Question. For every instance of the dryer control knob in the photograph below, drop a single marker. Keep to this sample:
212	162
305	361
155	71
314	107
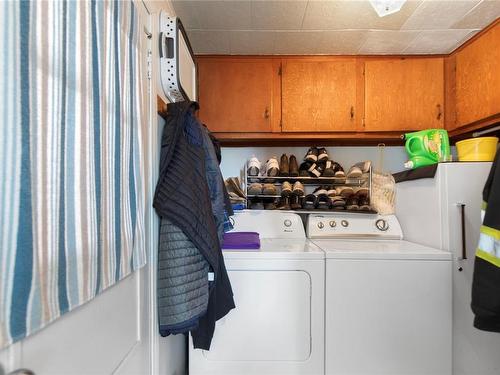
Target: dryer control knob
288	223
344	223
382	225
333	223
321	225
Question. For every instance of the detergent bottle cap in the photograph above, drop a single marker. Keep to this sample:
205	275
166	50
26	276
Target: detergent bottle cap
409	164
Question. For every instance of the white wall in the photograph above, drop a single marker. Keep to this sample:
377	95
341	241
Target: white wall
234	158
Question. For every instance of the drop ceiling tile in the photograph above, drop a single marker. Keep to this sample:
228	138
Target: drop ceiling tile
296	42
209	41
479	17
251	42
186	11
341	42
349	14
438	41
278	15
224	15
385	42
438	15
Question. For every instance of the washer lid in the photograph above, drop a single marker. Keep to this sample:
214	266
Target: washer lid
278	248
380	249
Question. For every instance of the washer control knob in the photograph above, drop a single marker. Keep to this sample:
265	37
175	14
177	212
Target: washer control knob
382	225
344	223
288	223
333	223
321	225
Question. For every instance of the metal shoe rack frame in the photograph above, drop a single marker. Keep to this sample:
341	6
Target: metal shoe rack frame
311	181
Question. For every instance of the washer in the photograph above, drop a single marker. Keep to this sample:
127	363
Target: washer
388	301
278	324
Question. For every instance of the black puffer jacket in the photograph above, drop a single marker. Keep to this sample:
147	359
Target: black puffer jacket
182	196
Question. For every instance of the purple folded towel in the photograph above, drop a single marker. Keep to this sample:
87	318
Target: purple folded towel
241	240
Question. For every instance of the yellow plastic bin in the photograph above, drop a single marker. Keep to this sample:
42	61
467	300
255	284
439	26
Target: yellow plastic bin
477	149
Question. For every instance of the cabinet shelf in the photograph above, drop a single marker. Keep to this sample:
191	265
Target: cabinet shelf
338	181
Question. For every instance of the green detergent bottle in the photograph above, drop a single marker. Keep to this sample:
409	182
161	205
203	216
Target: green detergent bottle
427	147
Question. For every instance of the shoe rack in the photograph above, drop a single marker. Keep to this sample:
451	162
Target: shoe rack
313	182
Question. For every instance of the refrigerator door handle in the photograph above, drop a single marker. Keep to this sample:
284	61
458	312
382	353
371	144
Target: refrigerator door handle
462	217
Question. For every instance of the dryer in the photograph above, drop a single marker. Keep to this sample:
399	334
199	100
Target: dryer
388	301
277	326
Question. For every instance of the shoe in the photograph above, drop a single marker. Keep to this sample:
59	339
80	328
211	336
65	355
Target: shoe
295	202
364	203
284	204
329	172
270	204
269	189
284	166
357	170
337	202
286	189
331	192
233	185
338	170
253	166
312	155
272	167
294	168
323	202
310	201
352	203
361	191
298	189
304	169
322	154
320	190
256	204
345	191
320	167
255	188
313	170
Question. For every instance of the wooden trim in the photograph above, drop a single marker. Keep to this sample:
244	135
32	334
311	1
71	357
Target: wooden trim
483	123
161	106
475	37
318	57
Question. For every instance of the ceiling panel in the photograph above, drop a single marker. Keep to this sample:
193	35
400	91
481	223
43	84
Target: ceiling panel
209	41
278	15
331	26
479	17
438	15
348	14
438	41
251	42
341	42
387	42
296	42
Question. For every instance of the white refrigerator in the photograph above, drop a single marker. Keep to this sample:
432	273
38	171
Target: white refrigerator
445	213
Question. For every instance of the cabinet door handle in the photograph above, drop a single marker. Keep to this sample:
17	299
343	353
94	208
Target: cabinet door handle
352	112
439	112
266	113
462	218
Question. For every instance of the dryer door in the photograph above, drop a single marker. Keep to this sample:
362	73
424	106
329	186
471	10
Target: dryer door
272	319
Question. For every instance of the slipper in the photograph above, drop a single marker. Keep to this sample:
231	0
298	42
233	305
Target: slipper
286	189
352	204
354	172
272	167
253	166
329	172
304	169
310	201
322	154
311	155
298	188
323	202
269	189
284	204
337	202
345	191
295	202
255	188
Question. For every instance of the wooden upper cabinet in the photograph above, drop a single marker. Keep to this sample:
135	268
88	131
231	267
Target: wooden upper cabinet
478	78
319	95
404	94
239	94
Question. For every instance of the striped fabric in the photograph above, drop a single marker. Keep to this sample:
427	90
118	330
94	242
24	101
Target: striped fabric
71	168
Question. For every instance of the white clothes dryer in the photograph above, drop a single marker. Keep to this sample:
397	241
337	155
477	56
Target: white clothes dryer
277	326
388	301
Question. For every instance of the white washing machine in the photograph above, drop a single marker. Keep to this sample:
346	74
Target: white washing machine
278	324
388	301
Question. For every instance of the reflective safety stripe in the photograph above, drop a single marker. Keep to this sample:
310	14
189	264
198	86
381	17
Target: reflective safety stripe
489	245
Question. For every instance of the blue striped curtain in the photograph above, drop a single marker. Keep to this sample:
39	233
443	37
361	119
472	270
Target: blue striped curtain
71	156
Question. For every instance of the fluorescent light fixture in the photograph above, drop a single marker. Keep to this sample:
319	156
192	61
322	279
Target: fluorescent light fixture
386	7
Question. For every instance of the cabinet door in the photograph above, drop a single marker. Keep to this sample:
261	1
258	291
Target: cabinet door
239	94
404	94
478	78
319	95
